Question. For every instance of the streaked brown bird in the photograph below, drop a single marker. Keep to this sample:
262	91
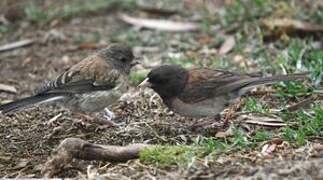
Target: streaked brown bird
204	92
89	86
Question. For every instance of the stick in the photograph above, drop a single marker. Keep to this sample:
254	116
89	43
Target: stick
71	148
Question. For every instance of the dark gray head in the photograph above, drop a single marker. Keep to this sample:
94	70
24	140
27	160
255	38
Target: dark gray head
167	80
119	55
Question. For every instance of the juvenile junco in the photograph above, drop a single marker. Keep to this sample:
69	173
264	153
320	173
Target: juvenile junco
89	86
203	92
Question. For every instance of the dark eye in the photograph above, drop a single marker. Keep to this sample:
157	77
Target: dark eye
123	59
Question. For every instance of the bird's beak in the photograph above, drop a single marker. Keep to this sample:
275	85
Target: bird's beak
135	61
145	83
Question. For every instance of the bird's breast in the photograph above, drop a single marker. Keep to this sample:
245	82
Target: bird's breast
205	108
97	100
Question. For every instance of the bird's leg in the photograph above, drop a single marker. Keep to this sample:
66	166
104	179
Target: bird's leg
109	115
84	119
108	119
232	109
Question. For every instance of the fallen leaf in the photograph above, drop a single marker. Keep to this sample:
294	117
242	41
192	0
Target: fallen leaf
21	164
291	24
265	123
222	134
262	120
268	149
15	45
162	25
318	147
204	39
8	88
227	46
277	141
88	45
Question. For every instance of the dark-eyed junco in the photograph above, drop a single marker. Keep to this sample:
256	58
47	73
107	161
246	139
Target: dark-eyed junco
203	92
89	86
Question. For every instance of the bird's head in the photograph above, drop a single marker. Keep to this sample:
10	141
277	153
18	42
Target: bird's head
167	80
120	56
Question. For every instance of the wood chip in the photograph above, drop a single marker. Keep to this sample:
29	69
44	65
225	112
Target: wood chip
15	45
161	25
8	88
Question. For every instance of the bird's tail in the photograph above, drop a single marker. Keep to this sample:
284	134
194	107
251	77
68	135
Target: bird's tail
272	79
28	101
252	82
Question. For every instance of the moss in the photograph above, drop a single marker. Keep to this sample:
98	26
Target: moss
171	155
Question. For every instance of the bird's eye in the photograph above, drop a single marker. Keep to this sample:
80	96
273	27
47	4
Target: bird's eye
123	59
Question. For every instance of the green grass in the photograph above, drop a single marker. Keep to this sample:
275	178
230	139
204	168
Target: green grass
262	135
138	76
292	89
304	127
307	125
255	105
288	55
36	14
4	29
93	37
171	155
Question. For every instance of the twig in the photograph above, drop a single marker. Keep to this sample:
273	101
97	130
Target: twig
15	45
75	148
303	104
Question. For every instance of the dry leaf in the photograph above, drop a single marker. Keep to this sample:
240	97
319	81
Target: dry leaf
88	45
265	123
227	46
262	120
277	141
15	45
162	25
8	88
21	164
291	24
222	134
204	39
318	147
268	149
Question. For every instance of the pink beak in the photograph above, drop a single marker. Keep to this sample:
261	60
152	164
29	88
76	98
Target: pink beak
145	83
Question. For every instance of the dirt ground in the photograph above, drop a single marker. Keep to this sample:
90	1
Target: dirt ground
28	137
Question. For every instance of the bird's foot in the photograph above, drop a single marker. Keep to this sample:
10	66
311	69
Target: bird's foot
109	115
107	120
83	120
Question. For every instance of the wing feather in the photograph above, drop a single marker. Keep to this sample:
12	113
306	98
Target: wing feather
207	83
91	74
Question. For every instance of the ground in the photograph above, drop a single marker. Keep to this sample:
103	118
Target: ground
227	36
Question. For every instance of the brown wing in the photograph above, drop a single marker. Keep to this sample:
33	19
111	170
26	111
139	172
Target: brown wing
207	83
92	73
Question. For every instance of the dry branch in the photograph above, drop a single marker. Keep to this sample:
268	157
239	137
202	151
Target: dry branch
75	148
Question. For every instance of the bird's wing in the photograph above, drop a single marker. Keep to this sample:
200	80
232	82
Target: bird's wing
208	83
91	74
